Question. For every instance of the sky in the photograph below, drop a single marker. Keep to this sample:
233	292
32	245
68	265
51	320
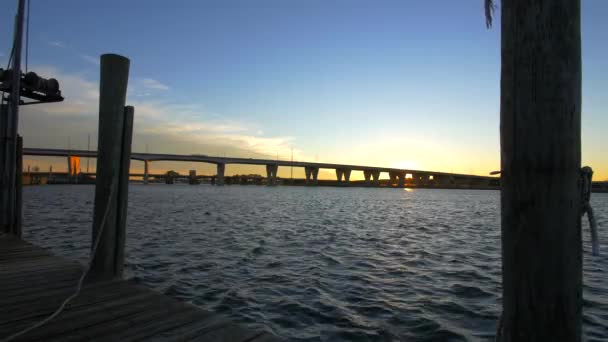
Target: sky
409	84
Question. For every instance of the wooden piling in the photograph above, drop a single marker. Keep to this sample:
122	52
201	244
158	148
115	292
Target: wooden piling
4	192
541	161
16	226
123	193
111	182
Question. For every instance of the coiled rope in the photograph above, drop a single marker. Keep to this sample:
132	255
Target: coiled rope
80	281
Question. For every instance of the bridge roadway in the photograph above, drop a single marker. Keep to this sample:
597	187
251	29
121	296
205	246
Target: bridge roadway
343	171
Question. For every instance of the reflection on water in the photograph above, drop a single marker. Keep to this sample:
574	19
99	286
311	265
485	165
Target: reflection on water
312	264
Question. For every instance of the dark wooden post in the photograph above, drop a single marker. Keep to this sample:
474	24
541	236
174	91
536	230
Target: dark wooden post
4	185
123	194
9	164
541	159
115	128
16	227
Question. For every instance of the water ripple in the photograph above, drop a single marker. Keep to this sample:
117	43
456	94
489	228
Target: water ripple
317	264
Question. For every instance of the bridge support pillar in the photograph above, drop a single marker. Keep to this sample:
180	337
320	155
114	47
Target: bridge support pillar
343	172
424	179
271	174
219	178
367	174
339	174
393	178
347	175
397	178
401	178
146	171
441	180
311	174
192	180
376	177
419	179
414	180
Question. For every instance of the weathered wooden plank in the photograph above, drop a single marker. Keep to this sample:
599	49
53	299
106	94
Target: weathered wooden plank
31	275
33	265
34	283
40	264
18	255
101	286
206	321
37	267
134	327
11	244
47	287
38	284
7	239
31	272
212	321
83	317
46	305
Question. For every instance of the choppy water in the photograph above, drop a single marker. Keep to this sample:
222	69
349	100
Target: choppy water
312	264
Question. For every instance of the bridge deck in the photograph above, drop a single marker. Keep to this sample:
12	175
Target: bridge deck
33	283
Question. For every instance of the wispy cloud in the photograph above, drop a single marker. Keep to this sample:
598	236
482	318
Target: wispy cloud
56	43
91	59
178	128
150	83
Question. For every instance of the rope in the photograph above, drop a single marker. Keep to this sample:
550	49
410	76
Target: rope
80	281
586	176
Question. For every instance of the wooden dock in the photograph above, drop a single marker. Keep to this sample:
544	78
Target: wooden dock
33	283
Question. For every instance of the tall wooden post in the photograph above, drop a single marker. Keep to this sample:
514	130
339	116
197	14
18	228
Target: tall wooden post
115	128
16	227
8	169
541	159
123	190
4	192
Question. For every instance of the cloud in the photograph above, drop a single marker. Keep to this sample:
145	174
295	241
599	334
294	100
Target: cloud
56	43
91	59
150	83
80	95
181	128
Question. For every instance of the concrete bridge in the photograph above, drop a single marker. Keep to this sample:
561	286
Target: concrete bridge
398	177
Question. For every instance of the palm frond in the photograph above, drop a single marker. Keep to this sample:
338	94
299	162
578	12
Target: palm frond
490	8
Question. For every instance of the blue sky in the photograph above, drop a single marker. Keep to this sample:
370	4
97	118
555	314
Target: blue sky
390	83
